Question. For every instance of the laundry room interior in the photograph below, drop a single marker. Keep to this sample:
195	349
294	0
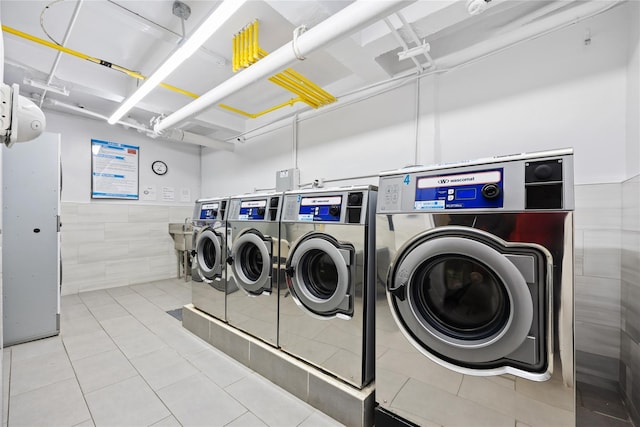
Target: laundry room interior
276	228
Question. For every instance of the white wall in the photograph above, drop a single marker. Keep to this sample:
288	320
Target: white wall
182	159
251	167
363	139
551	92
633	92
110	243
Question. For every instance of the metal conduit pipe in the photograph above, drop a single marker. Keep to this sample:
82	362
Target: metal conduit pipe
65	39
194	138
348	20
415	38
90	113
171	134
401	42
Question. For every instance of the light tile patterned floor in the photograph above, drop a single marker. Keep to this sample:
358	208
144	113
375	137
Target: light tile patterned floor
121	360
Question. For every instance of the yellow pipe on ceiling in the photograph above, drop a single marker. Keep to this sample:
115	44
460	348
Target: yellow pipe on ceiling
234	59
308	89
246	51
277	79
243	47
255	53
249	51
310	85
98	61
261	113
295	82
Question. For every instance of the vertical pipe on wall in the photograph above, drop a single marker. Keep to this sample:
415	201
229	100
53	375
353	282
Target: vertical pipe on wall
417	124
437	151
294	140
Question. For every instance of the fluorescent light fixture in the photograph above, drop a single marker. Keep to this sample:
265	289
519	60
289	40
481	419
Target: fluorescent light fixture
212	24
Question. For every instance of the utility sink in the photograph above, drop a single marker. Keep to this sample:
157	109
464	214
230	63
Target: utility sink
182	235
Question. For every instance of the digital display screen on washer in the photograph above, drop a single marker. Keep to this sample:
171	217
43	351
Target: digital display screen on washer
252	209
320	208
468	190
209	211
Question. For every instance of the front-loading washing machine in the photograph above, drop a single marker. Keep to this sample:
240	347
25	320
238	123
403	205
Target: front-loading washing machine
326	309
474	323
254	263
209	256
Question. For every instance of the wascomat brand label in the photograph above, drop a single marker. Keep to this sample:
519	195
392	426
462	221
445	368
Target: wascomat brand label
320	208
252	209
482	189
209	210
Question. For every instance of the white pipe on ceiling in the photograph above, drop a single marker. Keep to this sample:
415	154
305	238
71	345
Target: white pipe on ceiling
170	134
352	18
194	138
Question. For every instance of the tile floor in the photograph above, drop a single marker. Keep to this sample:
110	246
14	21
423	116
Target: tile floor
121	360
600	407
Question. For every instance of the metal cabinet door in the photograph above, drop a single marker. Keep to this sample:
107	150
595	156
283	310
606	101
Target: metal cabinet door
31	243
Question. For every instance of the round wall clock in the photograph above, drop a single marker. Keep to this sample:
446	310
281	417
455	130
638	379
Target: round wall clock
159	167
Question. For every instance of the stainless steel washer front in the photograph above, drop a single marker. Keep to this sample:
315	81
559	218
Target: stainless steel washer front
326	307
254	247
320	275
474	321
209	285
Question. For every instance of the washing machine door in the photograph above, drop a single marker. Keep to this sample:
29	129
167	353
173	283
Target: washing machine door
209	246
460	295
251	262
319	275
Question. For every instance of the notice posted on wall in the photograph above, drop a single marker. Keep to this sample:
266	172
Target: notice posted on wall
114	170
168	194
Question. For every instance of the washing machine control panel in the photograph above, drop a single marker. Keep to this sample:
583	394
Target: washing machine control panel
320	208
252	209
347	207
536	181
471	190
209	210
266	207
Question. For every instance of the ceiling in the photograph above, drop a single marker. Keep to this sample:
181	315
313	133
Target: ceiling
140	35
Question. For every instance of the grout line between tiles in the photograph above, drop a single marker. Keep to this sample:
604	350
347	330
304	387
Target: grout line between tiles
75	375
9	387
128	360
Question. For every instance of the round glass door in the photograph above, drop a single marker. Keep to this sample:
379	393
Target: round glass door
319	275
460	298
251	265
208	254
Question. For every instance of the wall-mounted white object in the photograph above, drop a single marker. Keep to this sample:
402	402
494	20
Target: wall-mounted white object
20	120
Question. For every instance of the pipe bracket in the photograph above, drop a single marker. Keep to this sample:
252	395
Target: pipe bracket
297	32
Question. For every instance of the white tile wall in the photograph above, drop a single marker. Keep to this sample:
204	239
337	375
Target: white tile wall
630	270
108	245
598	237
